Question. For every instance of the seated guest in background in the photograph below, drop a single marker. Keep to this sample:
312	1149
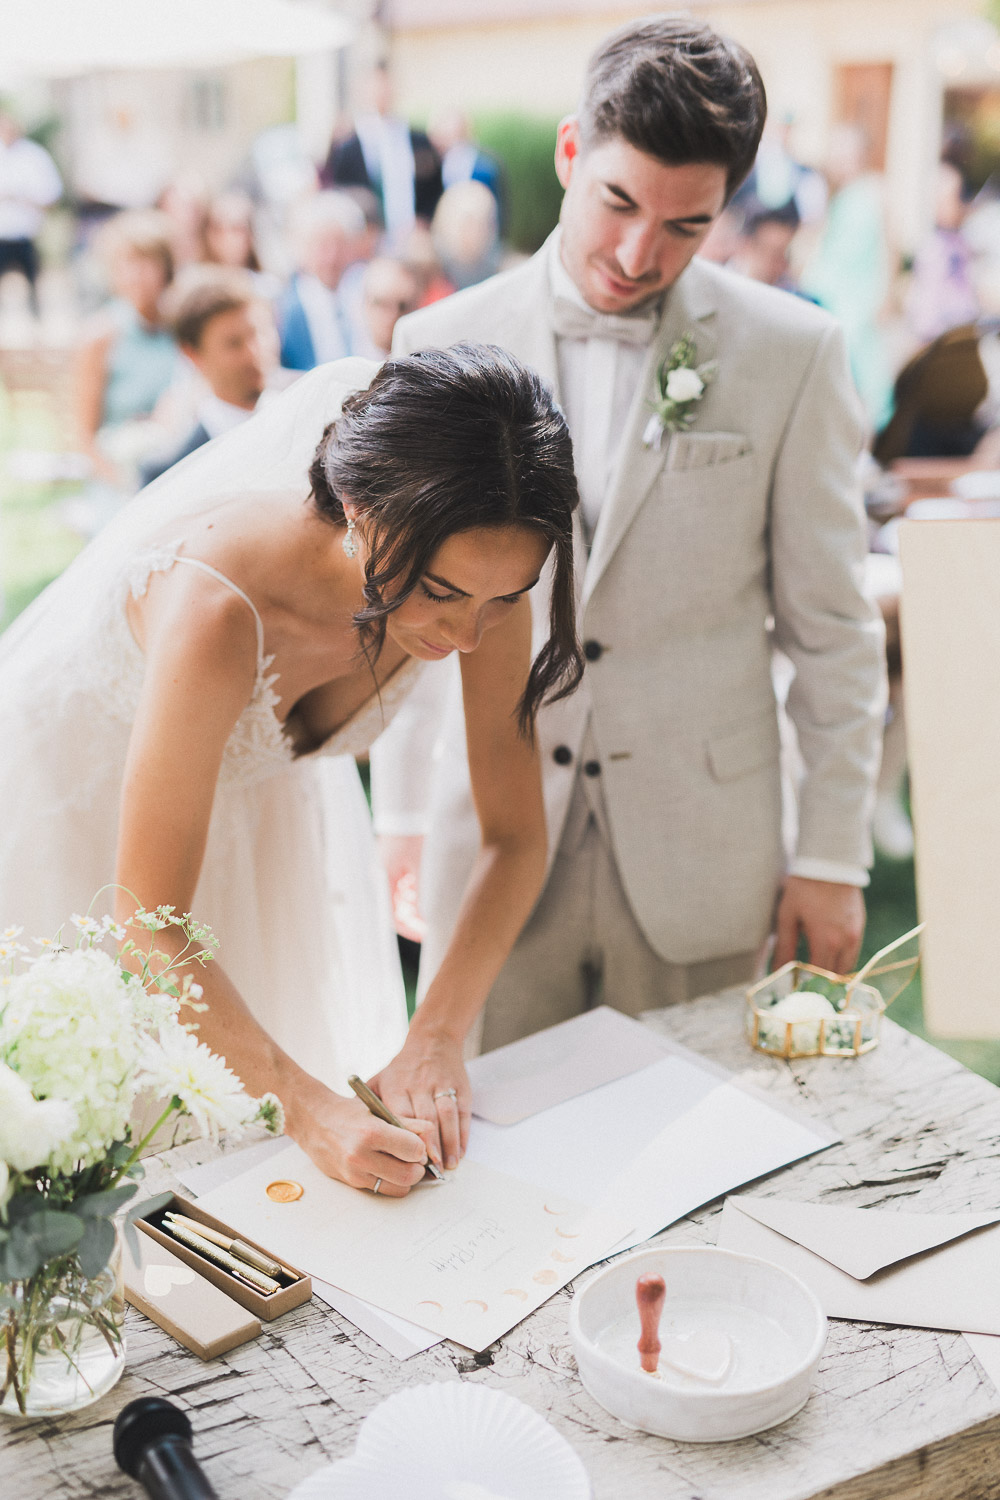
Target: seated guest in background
312	318
128	358
466	234
390	290
764	244
398	164
211	314
366	246
185	202
231	240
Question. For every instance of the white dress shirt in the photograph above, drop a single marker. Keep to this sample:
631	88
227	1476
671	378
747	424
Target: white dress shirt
597	380
325	316
388	153
29	182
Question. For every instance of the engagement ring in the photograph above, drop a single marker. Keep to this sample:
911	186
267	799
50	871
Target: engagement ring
378	1184
446	1094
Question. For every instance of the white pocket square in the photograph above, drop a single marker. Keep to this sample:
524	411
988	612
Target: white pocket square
703	450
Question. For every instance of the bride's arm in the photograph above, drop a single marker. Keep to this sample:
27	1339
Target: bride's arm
505	882
200	668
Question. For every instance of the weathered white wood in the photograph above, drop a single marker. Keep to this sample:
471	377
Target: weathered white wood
906	1402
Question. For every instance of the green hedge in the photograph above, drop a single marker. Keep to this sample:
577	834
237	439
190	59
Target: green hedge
524	144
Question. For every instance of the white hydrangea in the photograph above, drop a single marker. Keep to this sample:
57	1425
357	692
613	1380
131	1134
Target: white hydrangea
175	1064
68	1026
31	1129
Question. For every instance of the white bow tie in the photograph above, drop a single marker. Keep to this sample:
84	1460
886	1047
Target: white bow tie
571	321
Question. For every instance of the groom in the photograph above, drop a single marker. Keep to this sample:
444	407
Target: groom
700	549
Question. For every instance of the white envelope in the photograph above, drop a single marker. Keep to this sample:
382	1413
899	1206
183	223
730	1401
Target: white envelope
913	1270
543	1070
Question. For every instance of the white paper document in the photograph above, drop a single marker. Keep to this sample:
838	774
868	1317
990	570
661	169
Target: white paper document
397	1336
467	1258
950	1286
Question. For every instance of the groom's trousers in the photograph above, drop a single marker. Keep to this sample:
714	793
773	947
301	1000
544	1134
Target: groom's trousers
582	945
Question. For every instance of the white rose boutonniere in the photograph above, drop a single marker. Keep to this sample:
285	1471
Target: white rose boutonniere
680	385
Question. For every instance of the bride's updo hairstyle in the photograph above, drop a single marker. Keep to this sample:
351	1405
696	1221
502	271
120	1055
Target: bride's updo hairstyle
446	441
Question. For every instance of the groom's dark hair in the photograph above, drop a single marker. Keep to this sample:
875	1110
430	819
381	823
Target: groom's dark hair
447	441
679	91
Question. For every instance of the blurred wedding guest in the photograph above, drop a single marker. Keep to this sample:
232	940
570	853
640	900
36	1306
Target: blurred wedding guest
462	159
390	290
779	181
313	320
128	357
422	259
365	247
29	183
764	244
185	202
849	274
942	294
230	240
382	153
466	234
210	311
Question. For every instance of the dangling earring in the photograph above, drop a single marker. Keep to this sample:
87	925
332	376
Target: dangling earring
349	543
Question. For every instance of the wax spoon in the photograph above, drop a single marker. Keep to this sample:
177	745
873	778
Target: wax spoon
650	1294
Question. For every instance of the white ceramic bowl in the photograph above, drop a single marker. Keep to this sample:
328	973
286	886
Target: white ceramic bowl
726	1285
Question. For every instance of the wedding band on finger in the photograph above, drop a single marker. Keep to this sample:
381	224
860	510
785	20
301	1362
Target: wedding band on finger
446	1094
378	1184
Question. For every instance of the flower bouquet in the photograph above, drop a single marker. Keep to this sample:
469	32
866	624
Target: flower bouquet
84	1032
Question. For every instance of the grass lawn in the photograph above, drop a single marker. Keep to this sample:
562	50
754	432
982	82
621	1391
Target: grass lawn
35	547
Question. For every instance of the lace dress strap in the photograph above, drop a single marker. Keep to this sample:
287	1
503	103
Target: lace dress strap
196	562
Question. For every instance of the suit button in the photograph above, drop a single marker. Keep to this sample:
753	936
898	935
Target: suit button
562	755
592	768
593	650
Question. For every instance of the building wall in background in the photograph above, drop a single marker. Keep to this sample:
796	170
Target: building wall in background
486	55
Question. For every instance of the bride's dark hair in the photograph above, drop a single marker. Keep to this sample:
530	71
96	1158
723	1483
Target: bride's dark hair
443	442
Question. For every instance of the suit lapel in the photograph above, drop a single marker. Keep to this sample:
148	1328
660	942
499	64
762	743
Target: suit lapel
689	307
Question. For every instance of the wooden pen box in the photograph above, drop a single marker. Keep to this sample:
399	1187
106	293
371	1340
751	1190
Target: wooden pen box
261	1304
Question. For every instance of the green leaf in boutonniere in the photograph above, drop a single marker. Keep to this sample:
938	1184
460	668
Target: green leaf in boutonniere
680	385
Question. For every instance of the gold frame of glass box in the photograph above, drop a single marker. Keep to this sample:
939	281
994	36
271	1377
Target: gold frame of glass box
862	1019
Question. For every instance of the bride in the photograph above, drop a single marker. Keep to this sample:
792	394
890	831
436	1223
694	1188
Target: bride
180	709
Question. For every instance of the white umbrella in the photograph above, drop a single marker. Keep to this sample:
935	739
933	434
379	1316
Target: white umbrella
60	38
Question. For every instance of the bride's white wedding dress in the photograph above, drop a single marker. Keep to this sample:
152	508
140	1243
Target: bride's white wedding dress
290	883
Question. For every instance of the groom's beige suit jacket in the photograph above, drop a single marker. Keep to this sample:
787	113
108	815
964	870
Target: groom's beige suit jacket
745	532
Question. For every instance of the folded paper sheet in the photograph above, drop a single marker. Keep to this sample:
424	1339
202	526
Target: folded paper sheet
468	1258
934	1284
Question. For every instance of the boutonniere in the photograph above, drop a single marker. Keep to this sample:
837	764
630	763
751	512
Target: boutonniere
680	385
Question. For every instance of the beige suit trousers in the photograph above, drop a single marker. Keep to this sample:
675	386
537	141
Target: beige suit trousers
583	947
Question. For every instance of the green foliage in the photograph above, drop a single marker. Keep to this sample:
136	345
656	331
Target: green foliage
525	145
815	984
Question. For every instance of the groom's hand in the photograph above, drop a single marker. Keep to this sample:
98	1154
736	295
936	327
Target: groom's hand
830	916
401	857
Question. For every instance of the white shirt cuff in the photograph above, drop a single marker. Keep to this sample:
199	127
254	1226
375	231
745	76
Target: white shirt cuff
828	869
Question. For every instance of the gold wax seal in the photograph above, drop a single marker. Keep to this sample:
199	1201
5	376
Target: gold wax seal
284	1191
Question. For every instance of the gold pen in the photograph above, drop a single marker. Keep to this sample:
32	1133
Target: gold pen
257	1279
236	1247
372	1102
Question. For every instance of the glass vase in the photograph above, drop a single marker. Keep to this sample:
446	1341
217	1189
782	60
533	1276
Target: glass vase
62	1342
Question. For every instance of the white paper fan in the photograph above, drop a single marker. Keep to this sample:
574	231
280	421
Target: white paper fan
453	1441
